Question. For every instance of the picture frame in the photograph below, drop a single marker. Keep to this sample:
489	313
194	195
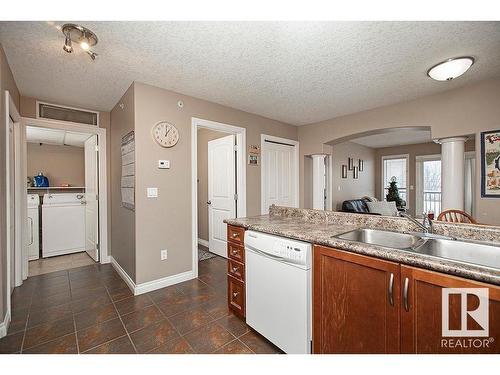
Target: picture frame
490	164
344	171
361	165
350	163
355	173
253	159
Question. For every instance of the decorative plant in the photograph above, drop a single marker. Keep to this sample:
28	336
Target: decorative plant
393	193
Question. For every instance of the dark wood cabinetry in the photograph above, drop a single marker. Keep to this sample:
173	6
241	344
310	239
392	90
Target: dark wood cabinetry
363	304
421	314
356	303
236	270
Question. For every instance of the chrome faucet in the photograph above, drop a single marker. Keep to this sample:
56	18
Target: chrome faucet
425	225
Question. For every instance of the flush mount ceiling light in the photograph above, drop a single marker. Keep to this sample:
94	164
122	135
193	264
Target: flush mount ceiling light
451	68
80	35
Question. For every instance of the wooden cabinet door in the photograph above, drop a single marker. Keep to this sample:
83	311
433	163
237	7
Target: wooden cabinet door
356	303
421	314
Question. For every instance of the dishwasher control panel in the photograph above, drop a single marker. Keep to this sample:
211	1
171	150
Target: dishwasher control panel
281	248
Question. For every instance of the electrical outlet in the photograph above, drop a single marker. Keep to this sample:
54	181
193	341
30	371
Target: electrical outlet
163	254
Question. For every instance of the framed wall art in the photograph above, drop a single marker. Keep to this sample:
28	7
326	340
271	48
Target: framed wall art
490	164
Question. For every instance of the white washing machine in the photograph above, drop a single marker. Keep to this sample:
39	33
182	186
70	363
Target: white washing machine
33	240
63	224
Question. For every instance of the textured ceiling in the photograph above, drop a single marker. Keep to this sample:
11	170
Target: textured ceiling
296	72
395	138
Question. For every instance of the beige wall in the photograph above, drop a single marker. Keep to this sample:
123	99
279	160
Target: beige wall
463	111
6	83
165	222
349	188
60	164
123	224
421	149
204	136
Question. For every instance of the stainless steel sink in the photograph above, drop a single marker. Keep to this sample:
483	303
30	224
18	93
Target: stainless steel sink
467	252
431	245
385	238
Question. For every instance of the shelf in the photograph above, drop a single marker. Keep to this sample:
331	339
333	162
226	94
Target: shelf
58	188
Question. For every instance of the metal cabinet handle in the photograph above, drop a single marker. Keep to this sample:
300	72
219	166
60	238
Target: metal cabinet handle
31	230
235	294
234	235
390	291
405	294
234	269
209	202
234	252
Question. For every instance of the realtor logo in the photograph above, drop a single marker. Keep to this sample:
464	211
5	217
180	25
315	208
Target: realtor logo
474	320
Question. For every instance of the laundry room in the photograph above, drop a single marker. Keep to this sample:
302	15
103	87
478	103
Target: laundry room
58	169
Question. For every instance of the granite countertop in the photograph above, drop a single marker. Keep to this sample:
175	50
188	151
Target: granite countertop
322	232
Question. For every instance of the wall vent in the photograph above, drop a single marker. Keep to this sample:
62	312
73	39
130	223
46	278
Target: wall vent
55	112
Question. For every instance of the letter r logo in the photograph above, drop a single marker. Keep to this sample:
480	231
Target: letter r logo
478	314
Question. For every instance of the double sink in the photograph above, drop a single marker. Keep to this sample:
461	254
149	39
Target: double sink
430	245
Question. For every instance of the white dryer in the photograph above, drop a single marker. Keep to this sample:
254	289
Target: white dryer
63	224
33	240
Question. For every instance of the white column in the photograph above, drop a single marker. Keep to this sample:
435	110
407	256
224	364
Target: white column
319	181
452	173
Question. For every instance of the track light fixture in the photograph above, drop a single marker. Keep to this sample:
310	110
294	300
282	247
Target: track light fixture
81	35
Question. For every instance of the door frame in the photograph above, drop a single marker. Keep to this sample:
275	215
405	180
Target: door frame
11	112
103	183
263	138
241	173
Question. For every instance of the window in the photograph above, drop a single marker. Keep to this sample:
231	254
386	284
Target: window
395	166
428	173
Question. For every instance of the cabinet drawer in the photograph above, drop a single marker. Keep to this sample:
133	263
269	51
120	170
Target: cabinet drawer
235	234
236	296
236	269
236	252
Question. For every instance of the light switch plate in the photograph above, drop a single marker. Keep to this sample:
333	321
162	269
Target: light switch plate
152	192
164	164
163	254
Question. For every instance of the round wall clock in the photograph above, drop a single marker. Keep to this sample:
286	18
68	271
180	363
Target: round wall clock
165	134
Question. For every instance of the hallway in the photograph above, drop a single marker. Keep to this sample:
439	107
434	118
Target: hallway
91	310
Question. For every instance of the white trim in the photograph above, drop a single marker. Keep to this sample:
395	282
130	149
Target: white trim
38	102
103	182
203	242
10	112
124	275
295	144
382	185
150	286
163	282
241	175
4	326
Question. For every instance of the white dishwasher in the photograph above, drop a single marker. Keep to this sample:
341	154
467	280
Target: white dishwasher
278	290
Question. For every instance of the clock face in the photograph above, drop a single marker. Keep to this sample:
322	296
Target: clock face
165	134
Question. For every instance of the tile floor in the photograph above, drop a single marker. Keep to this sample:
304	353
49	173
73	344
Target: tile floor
63	262
91	310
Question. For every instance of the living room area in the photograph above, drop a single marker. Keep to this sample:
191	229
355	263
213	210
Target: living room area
393	172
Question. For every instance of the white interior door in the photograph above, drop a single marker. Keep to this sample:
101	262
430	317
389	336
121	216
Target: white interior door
279	180
92	198
221	191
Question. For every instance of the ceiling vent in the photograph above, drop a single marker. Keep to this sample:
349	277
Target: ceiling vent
59	113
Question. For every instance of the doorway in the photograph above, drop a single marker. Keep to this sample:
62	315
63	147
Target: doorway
218	185
279	172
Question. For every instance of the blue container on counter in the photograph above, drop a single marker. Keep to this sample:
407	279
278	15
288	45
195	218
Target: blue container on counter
41	180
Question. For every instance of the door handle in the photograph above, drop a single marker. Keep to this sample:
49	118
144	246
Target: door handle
390	291
209	202
31	230
405	294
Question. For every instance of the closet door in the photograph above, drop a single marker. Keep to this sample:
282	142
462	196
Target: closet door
92	198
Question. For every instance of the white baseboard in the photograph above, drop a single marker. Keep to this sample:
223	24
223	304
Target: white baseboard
203	242
4	326
149	286
124	275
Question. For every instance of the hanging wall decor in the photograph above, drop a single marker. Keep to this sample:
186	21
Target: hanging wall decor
355	173
361	165
350	163
490	164
344	171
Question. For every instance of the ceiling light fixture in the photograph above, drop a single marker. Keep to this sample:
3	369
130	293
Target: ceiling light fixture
81	35
451	68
